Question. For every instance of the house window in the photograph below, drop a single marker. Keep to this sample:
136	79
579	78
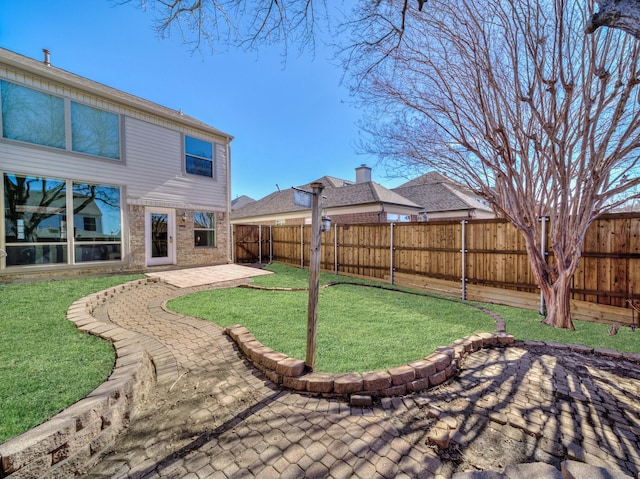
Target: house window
198	156
95	132
36	117
32	116
204	229
398	218
38	223
35	211
89	223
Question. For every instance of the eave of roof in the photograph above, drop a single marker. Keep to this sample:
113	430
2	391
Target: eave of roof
63	77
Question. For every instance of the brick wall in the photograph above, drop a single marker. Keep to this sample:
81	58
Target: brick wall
189	255
136	236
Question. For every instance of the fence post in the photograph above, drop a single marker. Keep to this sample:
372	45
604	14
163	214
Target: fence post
302	246
335	248
543	252
464	260
392	225
270	244
259	244
233	244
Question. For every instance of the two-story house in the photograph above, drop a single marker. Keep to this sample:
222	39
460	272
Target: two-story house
95	179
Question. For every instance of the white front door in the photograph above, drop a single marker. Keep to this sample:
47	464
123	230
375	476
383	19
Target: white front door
160	233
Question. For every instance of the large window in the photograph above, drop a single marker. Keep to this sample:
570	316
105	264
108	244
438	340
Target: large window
33	116
204	229
36	117
38	222
94	131
198	156
96	220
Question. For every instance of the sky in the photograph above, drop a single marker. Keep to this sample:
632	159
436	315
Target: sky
292	121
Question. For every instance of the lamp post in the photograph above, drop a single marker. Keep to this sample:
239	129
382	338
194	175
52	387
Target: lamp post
314	275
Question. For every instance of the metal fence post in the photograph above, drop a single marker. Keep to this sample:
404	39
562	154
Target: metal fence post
392	225
270	244
464	260
335	248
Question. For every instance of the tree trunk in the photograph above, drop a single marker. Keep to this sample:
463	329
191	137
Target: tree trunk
557	297
554	280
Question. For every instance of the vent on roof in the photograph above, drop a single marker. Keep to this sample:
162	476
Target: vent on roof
363	174
47	57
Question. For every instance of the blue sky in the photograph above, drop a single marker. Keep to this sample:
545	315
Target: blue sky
292	122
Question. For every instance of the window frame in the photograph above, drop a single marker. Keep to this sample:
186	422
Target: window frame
212	230
195	156
67	127
67	250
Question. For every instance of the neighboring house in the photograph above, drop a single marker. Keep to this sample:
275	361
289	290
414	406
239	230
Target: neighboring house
444	199
427	198
95	179
362	201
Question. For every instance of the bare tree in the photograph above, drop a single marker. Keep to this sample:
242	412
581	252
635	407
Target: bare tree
529	102
254	22
243	23
514	99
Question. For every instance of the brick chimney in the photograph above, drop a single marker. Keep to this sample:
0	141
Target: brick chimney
363	174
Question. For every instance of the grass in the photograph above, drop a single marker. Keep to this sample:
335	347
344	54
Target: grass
359	329
362	329
527	325
46	364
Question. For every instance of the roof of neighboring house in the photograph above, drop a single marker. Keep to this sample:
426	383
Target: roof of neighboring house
337	193
240	201
435	192
21	62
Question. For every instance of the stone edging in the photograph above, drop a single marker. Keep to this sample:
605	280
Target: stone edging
361	389
74	440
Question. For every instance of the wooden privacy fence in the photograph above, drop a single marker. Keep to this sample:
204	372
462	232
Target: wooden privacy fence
481	260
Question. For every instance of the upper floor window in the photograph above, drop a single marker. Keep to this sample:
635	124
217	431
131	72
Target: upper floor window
93	131
198	156
33	116
40	118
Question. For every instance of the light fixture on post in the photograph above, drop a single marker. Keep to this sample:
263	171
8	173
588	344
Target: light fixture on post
326	224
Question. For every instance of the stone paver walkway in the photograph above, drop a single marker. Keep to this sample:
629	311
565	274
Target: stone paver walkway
212	416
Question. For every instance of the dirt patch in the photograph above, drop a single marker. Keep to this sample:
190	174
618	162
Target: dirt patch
492	450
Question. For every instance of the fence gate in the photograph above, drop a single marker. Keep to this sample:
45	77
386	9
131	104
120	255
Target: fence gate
246	243
251	243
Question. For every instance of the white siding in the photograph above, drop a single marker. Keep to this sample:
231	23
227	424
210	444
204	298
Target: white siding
155	158
39	161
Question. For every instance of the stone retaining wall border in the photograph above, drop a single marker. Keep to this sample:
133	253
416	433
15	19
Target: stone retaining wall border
362	389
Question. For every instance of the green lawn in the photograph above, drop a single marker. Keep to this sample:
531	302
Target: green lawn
359	328
527	325
46	364
362	329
